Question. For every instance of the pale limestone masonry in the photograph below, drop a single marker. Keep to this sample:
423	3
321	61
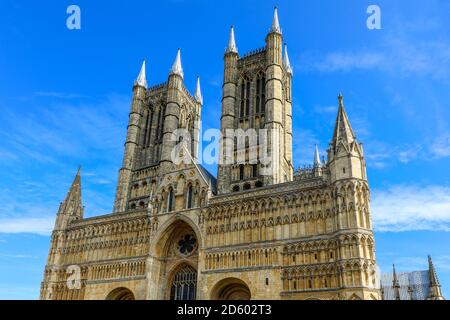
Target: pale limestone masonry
176	232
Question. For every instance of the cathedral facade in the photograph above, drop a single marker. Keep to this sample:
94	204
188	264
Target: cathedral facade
256	231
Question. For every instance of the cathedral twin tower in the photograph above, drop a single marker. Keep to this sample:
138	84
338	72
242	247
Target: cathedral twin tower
256	95
260	231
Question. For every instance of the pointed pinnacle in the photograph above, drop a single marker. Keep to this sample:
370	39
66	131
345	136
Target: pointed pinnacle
433	277
316	157
286	62
176	67
198	92
342	130
231	43
141	79
275	24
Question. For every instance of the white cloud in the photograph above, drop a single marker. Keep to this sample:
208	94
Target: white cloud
401	52
60	95
345	61
421	263
326	109
441	147
17	256
407	208
34	225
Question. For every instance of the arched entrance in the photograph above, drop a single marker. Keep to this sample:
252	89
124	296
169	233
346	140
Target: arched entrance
177	252
231	289
120	294
184	284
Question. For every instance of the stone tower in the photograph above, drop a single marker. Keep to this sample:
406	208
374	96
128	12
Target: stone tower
256	95
160	118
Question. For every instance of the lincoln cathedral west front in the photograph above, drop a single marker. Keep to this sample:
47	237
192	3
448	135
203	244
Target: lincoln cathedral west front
178	232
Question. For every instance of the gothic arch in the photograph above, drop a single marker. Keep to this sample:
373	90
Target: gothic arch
231	289
182	282
165	228
176	249
121	293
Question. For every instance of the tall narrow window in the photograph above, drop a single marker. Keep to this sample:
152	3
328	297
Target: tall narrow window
247	99
255	170
263	94
170	201
258	92
147	118
241	172
189	197
163	113
149	134
242	99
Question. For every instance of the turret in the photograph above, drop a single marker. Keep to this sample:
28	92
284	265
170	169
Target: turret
346	158
288	105
131	142
171	117
277	171
72	207
435	292
317	164
228	113
195	136
69	210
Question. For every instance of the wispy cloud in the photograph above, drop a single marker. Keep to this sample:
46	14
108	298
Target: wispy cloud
383	154
64	129
408	263
60	95
18	256
400	52
42	147
346	61
40	226
331	109
441	147
407	208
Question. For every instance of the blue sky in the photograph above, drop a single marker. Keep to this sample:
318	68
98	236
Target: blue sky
65	95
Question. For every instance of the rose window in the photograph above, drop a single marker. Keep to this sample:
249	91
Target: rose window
187	244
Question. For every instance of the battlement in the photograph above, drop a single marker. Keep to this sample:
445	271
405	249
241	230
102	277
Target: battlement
253	53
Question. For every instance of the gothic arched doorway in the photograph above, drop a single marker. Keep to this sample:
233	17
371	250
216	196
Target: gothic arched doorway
184	284
177	251
231	289
120	294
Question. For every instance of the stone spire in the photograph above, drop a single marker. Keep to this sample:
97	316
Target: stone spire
435	288
286	62
176	67
343	131
198	93
231	43
72	203
317	162
275	24
141	79
395	284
